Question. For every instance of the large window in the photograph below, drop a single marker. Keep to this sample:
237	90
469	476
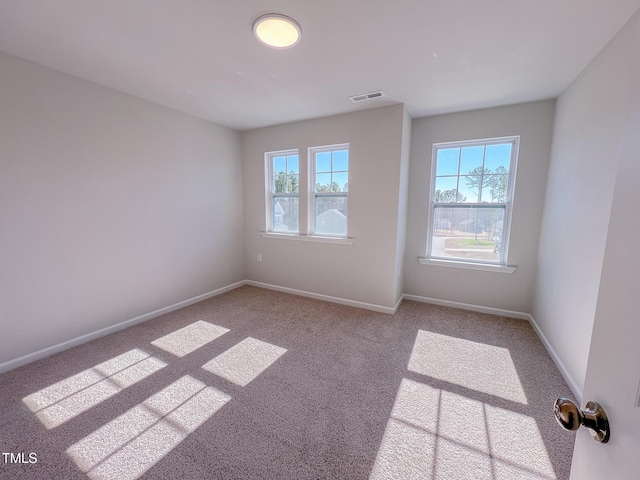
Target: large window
471	195
283	177
329	190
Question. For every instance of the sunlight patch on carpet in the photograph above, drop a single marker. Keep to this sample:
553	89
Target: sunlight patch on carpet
74	395
406	452
463	422
516	440
408	446
243	362
190	338
477	366
129	445
434	433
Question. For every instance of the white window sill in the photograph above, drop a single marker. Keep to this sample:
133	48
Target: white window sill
487	267
308	238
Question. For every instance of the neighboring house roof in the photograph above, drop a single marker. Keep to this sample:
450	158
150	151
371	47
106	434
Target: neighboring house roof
333	211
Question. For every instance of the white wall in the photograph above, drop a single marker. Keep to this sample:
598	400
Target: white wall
110	207
363	271
590	119
534	123
403	204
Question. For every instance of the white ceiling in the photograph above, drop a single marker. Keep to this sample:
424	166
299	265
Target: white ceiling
200	56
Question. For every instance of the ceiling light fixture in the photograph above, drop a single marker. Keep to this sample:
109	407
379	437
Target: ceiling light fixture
277	31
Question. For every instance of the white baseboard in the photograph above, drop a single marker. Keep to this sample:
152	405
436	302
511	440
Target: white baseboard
467	306
573	385
327	298
397	305
45	352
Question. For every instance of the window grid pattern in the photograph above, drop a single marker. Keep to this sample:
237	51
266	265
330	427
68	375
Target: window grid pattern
471	200
330	190
284	191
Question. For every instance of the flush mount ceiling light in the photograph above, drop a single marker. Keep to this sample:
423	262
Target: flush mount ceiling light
277	31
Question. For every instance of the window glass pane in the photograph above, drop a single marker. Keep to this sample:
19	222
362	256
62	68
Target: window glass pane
323	182
446	190
292	164
285	214
494	189
341	160
279	165
323	162
331	215
472	233
471	161
470	187
447	183
341	181
293	183
281	183
286	183
447	161
498	156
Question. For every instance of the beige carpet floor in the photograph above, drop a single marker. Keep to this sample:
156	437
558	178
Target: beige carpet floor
264	385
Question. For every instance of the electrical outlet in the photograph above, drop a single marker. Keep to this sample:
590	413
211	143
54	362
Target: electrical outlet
259	257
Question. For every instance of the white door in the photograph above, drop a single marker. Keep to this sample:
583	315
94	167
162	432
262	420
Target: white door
613	369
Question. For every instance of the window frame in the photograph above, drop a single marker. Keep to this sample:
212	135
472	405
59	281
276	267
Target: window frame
479	264
313	194
270	194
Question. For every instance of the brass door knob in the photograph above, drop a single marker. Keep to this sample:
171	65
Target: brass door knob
570	417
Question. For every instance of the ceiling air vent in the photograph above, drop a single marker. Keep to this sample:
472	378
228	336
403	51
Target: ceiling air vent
366	96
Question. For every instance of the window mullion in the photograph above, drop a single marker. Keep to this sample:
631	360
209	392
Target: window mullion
458	176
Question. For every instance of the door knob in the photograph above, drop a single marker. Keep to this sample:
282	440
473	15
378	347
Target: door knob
570	417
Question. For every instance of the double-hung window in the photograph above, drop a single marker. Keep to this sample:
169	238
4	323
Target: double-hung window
283	191
329	190
472	186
